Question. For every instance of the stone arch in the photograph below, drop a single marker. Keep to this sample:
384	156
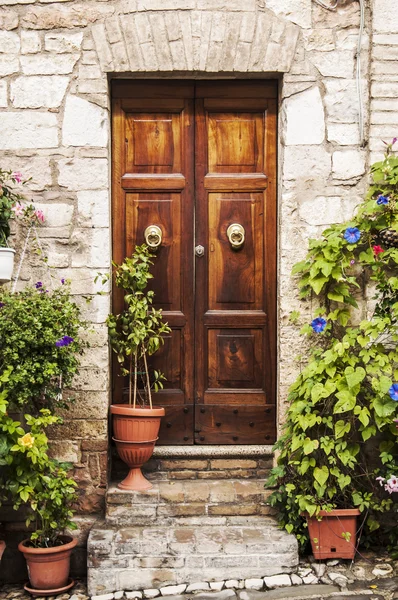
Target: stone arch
195	41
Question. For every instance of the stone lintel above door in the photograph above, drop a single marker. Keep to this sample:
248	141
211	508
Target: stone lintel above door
193	41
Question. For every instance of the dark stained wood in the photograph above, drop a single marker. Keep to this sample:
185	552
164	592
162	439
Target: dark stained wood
234	424
211	162
153	185
236	89
177	424
235	177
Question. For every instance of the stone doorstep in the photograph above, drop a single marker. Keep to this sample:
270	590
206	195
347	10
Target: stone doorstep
187	498
187	550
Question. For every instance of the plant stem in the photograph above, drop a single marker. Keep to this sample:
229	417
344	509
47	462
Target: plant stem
135	378
147	380
130	375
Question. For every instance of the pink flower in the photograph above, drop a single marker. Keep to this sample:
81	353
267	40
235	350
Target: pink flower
39	215
377	250
18	209
381	480
17	176
392	485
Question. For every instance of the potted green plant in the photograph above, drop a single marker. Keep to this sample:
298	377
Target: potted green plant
339	434
30	478
135	334
40	343
10	207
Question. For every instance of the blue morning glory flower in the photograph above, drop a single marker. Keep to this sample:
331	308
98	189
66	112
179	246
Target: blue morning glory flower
352	235
64	341
382	200
393	391
319	324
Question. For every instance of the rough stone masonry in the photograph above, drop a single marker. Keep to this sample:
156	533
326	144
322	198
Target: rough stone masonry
56	58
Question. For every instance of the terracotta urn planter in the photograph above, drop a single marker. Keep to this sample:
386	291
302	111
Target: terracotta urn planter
335	534
48	568
6	264
135	433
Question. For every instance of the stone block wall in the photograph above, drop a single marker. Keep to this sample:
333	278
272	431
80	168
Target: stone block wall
56	59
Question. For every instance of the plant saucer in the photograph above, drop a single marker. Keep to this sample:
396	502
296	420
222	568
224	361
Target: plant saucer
55	592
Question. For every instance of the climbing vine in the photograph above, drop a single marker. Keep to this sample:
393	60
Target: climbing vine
339	442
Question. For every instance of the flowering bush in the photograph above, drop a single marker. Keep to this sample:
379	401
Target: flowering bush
40	338
340	433
30	477
11	205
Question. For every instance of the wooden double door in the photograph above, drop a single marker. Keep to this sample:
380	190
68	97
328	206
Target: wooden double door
196	163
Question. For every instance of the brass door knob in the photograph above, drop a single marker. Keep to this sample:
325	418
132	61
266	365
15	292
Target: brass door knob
153	236
236	235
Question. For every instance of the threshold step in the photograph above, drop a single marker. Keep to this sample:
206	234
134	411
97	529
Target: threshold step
188	498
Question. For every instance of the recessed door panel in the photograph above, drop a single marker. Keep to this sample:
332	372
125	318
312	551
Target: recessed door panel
236	274
162	209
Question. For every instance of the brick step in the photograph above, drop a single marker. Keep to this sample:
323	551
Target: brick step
177	468
170	499
188	550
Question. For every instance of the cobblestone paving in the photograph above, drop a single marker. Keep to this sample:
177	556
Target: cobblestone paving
372	577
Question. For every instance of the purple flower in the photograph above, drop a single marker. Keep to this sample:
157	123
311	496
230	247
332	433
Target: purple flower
393	141
38	285
352	235
64	341
393	391
382	200
352	262
2	304
17	175
62	281
318	324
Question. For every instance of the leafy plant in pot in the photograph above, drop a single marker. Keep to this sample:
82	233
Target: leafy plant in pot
31	478
339	436
135	334
11	207
40	339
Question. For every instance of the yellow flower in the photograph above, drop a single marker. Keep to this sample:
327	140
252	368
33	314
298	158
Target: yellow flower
27	440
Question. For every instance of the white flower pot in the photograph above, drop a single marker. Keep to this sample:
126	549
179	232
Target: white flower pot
6	264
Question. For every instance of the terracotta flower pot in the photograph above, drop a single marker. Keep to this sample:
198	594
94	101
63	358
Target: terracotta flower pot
48	568
335	535
135	433
2	547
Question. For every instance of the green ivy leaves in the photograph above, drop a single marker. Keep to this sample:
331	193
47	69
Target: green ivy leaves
340	410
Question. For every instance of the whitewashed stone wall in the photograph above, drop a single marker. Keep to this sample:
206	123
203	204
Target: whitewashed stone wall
55	60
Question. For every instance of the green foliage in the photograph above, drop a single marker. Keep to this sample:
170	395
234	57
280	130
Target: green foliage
29	476
340	433
31	322
137	332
